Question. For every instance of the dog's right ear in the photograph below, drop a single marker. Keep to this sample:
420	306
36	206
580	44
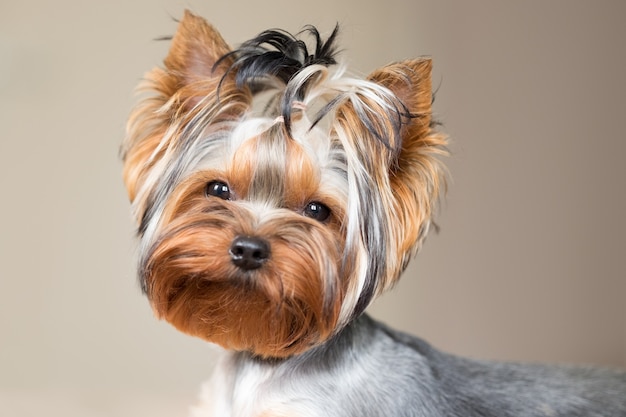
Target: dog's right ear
190	86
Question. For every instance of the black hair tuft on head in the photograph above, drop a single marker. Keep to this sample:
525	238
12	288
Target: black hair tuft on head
278	54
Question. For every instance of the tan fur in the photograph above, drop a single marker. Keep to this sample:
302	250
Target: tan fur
418	178
278	310
413	177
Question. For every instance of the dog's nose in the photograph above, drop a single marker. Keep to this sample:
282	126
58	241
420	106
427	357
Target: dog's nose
249	252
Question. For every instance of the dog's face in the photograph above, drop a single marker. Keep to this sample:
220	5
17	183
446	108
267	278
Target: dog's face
269	230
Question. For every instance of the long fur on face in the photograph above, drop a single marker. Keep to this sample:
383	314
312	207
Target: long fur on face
363	148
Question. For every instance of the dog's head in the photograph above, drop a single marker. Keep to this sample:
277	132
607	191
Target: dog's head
276	197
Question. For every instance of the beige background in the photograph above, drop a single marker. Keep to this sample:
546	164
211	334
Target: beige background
529	263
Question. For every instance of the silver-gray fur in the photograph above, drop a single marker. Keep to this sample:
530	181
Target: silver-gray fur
370	370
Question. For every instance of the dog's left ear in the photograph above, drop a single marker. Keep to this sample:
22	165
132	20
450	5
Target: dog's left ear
417	177
410	81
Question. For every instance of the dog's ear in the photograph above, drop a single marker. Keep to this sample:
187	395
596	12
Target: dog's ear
195	84
191	62
417	177
410	82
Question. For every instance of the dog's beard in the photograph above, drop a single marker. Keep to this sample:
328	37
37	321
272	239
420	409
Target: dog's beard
286	306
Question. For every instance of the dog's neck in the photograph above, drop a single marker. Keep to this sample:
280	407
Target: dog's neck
344	340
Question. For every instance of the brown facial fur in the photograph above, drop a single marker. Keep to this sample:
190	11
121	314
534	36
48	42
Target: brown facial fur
283	308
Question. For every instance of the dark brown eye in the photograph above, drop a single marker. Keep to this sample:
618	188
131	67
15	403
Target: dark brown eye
218	189
317	211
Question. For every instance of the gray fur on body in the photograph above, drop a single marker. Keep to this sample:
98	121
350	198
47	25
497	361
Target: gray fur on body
371	370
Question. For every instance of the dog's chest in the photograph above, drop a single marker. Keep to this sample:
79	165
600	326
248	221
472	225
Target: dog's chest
255	390
362	373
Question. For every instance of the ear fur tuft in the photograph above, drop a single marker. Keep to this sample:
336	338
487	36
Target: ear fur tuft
418	178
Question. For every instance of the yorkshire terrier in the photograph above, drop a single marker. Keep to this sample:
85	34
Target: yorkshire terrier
276	197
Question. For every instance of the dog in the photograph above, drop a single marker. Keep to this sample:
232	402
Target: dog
276	196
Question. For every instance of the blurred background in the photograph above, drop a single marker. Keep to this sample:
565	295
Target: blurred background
528	264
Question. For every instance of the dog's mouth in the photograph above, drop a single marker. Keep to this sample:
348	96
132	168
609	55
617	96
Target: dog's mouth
190	286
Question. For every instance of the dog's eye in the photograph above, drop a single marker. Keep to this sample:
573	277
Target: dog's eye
317	211
218	189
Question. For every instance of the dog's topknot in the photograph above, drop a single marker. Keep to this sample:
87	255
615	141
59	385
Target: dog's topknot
273	58
278	54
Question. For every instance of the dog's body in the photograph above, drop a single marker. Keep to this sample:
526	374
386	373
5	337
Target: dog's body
370	370
269	230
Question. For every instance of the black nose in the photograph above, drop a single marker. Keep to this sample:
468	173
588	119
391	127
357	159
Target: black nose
249	252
